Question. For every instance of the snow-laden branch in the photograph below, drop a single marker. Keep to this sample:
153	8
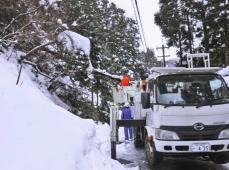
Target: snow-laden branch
74	42
91	71
105	73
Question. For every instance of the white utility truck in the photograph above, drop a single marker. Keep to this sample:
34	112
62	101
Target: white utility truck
182	112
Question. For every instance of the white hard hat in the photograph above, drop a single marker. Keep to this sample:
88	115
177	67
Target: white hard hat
126	104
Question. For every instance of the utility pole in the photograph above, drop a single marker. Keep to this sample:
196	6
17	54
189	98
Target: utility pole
163	53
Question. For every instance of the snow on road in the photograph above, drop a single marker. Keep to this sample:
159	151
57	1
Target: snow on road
36	134
128	152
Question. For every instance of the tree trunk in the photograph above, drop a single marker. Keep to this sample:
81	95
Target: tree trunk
189	34
180	47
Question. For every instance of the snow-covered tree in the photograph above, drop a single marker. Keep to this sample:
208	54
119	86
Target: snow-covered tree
37	28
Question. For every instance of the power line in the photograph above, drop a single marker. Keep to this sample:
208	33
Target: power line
139	15
140	28
136	18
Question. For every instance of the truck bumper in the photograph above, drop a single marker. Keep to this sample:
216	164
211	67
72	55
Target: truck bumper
185	147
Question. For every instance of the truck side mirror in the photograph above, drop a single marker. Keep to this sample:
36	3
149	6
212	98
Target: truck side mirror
145	98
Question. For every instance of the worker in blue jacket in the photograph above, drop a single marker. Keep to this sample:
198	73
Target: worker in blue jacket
126	114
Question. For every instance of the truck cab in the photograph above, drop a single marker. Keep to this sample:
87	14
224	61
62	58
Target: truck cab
187	114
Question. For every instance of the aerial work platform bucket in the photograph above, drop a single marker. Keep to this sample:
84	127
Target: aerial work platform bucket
204	56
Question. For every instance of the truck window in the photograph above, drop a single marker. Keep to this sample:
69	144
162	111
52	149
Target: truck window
192	89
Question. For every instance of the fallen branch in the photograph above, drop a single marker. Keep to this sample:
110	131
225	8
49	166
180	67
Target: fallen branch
92	70
19	75
35	66
105	73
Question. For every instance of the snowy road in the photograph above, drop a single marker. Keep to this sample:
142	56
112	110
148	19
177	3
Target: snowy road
128	152
189	164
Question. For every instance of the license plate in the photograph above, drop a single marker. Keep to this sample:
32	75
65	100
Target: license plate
200	147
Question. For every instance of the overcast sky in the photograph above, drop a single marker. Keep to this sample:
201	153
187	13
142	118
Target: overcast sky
147	10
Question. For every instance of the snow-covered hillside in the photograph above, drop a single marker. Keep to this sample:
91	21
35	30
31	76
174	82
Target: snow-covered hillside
36	134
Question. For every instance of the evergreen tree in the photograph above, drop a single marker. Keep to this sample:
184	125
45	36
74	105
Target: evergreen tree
195	26
114	40
174	25
149	59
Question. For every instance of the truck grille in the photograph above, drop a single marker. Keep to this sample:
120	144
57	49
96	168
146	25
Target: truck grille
187	133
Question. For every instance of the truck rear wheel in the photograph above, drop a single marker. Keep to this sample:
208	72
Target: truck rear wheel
154	157
138	137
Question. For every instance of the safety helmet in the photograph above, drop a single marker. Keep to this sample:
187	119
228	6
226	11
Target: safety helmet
126	104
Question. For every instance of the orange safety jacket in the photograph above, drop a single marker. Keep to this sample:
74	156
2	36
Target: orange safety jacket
125	81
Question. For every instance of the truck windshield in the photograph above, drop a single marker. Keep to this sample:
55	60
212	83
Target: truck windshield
192	89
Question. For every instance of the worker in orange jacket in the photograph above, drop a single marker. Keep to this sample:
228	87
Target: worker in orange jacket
125	80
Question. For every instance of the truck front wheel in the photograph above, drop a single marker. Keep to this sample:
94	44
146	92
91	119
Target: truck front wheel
154	157
220	158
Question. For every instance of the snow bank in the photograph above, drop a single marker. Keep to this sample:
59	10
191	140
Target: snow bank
74	42
36	134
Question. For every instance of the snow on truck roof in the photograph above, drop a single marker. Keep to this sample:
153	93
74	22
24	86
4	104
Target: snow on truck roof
157	71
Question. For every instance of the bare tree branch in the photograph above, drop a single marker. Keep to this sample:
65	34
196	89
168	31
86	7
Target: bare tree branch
10	35
16	18
37	48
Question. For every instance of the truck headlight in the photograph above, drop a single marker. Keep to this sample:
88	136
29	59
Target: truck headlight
224	134
166	135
